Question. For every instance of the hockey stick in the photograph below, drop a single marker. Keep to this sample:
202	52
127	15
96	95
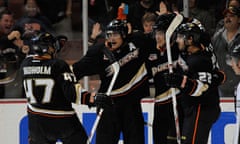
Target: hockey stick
116	69
174	24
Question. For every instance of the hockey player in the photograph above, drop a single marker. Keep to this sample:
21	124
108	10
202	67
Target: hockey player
51	88
125	114
163	121
235	64
197	80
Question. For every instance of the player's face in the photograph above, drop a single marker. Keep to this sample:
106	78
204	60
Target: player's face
160	39
181	42
147	26
235	64
114	40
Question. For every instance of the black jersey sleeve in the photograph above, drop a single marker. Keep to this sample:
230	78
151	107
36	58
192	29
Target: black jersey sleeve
71	89
89	64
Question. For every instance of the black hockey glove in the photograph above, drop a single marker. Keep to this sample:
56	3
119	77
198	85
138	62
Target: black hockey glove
103	101
219	78
174	80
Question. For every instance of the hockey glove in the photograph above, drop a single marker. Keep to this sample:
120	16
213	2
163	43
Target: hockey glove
175	80
103	101
219	78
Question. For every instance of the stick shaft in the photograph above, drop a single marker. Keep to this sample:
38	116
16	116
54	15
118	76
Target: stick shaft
116	68
174	24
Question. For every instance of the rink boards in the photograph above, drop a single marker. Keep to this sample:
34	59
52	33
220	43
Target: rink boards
13	121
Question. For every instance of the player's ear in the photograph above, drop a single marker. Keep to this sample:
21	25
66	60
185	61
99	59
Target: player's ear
190	40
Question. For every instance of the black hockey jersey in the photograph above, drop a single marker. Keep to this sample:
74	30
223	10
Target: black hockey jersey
201	87
157	64
132	78
51	87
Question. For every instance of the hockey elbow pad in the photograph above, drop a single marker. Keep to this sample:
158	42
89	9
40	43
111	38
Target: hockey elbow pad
195	88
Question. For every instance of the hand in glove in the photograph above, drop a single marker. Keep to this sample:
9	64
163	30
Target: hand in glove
103	101
175	80
219	78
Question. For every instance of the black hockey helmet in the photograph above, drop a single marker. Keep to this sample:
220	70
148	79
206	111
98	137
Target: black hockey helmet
191	30
119	26
163	21
41	43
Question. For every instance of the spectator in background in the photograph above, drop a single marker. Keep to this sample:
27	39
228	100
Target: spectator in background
59	14
7	22
222	41
201	11
234	3
136	12
148	20
220	5
32	20
103	11
55	10
12	52
3	5
95	33
166	6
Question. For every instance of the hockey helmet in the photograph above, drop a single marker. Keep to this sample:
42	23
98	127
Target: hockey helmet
41	43
163	21
191	30
119	26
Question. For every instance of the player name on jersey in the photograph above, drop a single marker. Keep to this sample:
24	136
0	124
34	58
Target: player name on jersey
37	70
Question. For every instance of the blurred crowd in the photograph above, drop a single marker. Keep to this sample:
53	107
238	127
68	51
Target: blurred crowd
64	17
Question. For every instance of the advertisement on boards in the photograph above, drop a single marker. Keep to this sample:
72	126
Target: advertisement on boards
14	121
